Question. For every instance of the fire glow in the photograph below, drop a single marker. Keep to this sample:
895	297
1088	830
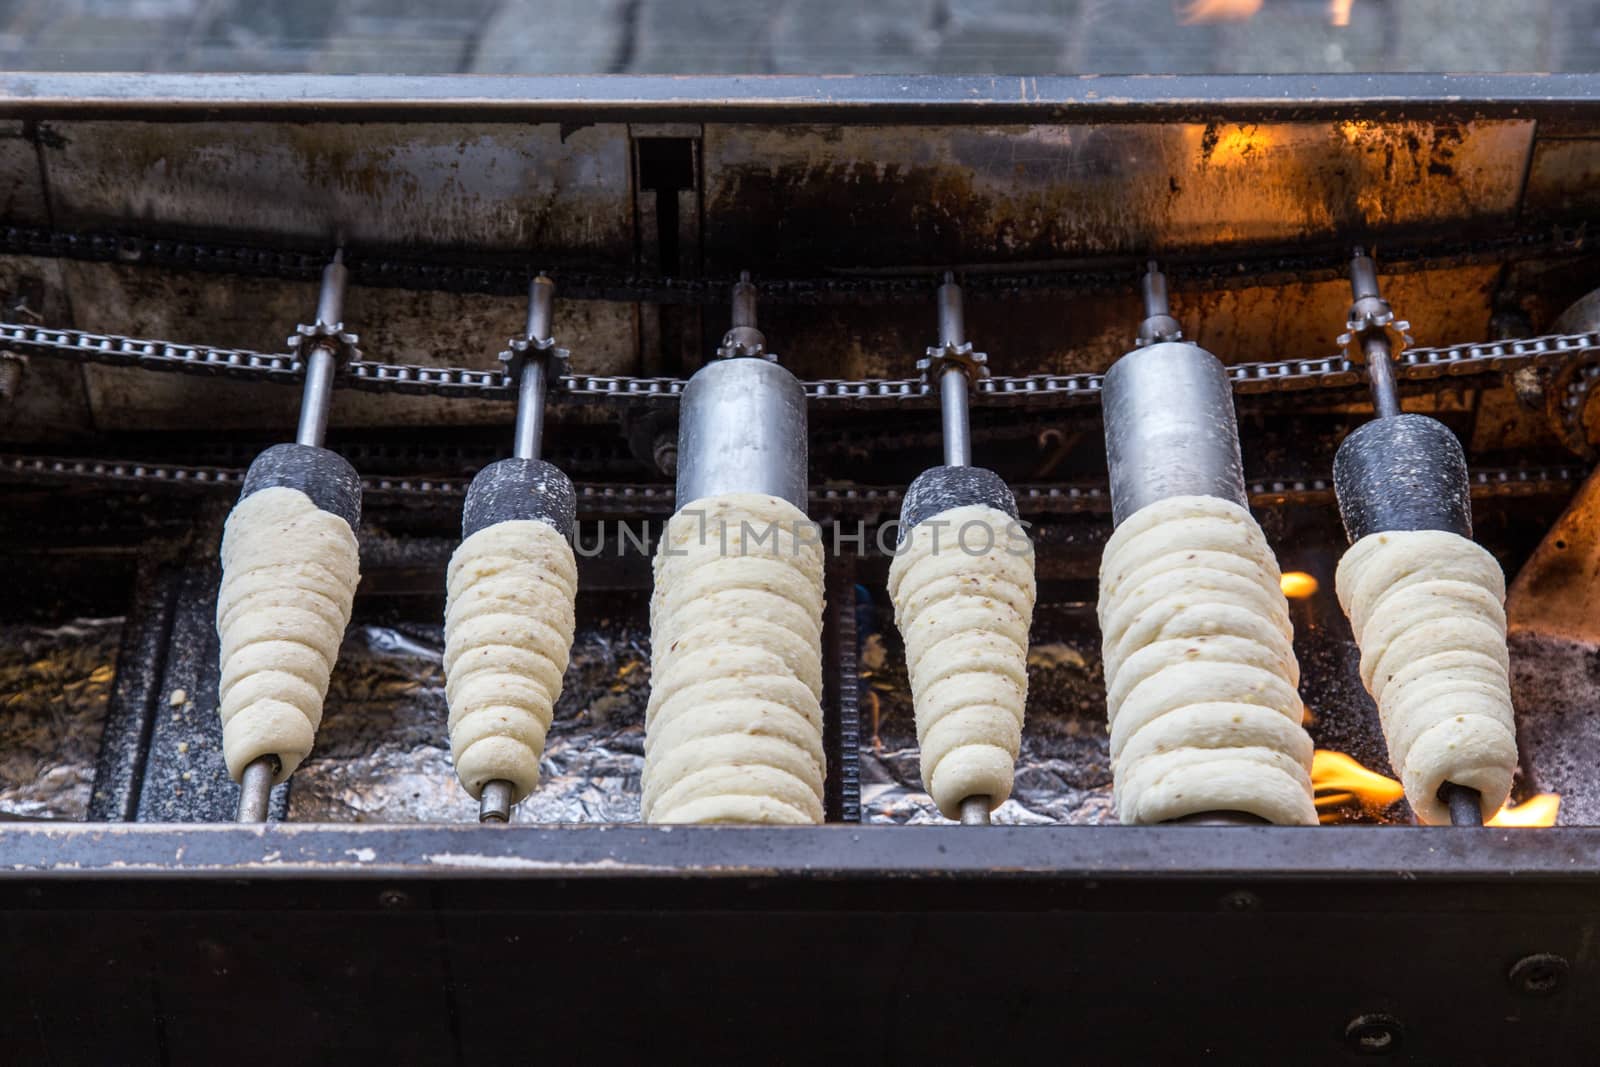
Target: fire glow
1298	585
1203	11
1340	782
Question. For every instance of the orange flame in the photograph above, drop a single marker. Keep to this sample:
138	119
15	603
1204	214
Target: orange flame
1538	810
1297	585
1219	11
1339	12
1340	781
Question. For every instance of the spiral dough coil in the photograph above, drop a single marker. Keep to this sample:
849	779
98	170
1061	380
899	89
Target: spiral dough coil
1427	610
289	574
508	625
1200	669
963	592
733	730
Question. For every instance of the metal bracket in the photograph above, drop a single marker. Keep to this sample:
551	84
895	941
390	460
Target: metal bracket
940	358
1363	323
1370	313
746	342
331	336
519	349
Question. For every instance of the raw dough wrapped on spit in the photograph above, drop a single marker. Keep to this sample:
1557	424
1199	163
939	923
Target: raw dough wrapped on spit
289	574
509	618
733	730
1426	609
1200	669
963	591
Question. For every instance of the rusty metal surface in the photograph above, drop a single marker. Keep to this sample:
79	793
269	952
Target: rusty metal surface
1561	173
1553	629
1034	333
868	196
51	402
22	194
563	194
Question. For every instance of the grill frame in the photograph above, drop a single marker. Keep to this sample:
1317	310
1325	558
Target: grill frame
910	943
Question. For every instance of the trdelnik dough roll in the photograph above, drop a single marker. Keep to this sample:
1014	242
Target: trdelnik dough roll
733	730
1426	610
963	590
511	592
289	574
1200	669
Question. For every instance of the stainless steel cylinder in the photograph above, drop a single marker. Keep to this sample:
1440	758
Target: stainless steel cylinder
1170	428
742	429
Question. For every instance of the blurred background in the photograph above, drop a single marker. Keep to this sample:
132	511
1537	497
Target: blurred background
799	36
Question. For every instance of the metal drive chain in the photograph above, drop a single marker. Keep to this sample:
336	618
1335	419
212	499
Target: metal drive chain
1333	372
511	279
598	499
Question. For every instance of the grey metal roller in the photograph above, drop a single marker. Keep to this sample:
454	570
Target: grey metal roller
1169	418
742	419
1171	430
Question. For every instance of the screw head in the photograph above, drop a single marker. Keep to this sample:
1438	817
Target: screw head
1374	1034
1539	975
394	898
666	454
1240	900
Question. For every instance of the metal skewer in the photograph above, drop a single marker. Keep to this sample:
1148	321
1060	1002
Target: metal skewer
255	788
953	382
953	386
1377	349
1373	333
316	400
533	372
1465	803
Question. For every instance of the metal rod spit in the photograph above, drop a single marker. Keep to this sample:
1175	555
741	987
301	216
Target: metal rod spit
975	811
1466	804
255	788
953	381
321	363
535	371
494	803
1375	347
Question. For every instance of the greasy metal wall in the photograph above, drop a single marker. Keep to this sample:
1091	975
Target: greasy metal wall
793	199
